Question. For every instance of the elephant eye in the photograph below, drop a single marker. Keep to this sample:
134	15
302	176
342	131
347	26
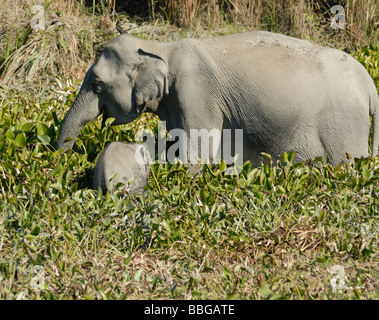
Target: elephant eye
97	87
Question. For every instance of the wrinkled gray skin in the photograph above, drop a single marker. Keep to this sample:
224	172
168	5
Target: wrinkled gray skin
286	94
125	161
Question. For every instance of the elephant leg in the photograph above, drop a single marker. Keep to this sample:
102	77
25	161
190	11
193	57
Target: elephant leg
201	118
303	138
345	132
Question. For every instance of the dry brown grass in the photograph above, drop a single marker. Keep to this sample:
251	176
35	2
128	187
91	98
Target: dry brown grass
65	48
302	18
75	34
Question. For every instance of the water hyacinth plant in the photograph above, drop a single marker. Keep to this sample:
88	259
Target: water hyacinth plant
281	230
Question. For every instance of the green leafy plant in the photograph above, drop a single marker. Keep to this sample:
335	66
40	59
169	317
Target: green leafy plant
281	230
368	56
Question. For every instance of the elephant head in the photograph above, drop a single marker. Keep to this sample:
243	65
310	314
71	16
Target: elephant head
123	162
129	74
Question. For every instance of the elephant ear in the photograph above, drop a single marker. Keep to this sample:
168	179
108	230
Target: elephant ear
150	80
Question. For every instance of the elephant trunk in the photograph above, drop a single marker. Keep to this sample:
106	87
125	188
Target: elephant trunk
85	108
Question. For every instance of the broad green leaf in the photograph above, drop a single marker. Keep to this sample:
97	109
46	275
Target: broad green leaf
10	135
56	170
27	127
109	121
223	166
166	226
268	156
265	290
285	157
36	231
20	140
281	189
291	156
44	139
42	129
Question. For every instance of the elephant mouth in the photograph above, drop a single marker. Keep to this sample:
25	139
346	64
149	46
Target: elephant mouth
140	108
123	117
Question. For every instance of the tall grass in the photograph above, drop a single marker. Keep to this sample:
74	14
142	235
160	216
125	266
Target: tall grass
301	18
76	30
66	47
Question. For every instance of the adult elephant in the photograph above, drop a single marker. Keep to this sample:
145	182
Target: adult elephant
285	93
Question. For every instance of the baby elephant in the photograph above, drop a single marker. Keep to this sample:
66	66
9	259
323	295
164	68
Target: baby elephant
123	161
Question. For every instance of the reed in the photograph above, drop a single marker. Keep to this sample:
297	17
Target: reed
66	46
303	18
77	30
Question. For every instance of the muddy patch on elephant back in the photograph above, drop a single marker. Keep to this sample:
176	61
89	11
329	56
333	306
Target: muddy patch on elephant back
298	47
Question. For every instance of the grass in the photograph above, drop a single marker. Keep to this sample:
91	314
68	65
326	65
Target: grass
304	19
70	33
273	232
78	32
279	231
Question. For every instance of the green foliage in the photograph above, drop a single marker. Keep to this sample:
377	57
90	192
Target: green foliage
368	56
277	231
272	232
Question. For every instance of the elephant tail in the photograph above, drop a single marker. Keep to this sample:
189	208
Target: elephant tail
374	112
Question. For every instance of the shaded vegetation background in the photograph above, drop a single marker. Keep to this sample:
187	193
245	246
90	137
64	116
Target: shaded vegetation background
76	31
279	231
